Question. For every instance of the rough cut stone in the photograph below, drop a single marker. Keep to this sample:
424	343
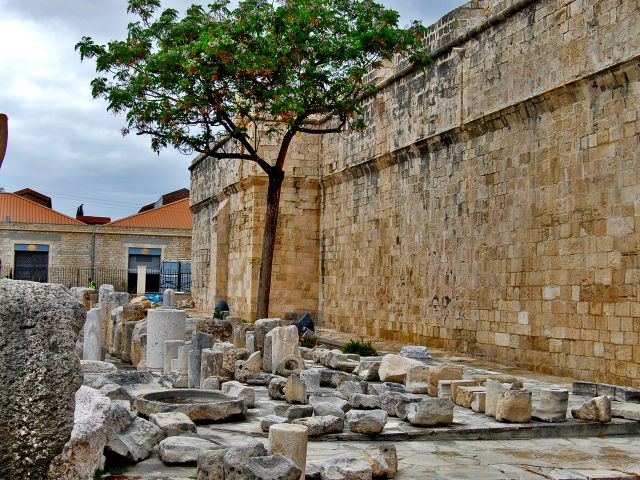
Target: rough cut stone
211	383
368	370
479	401
430	412
442	372
210	364
276	388
173	423
368	422
269	420
295	391
345	468
402	405
97	367
597	409
332	378
250	366
514	406
298	411
183	450
321	425
418	379
359	400
39	324
324	405
291	442
82	454
238	456
92	343
383	460
199	341
394	368
236	389
346	389
552	405
211	464
493	389
311	379
271	467
464	395
417	352
129	435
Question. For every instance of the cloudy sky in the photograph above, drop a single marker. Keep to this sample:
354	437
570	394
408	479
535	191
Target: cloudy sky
61	141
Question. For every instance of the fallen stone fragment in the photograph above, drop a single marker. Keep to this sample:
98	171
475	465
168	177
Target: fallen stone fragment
329	406
417	352
460	383
131	436
366	402
345	468
597	409
493	389
238	456
394	368
431	412
183	450
173	423
311	379
418	379
368	370
442	372
588	389
514	406
367	422
402	405
552	405
630	411
96	367
267	421
478	401
321	425
250	366
211	464
298	411
276	388
82	454
464	395
393	387
383	460
295	391
272	467
346	389
291	442
259	379
211	383
238	390
332	378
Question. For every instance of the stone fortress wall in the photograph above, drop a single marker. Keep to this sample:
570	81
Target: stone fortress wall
490	208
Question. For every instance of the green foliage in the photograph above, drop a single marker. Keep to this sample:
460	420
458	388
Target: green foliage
362	348
308	342
217	73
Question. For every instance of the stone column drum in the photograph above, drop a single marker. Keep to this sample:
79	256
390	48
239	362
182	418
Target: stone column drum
290	441
162	325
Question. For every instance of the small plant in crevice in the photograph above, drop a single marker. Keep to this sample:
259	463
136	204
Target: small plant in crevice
362	348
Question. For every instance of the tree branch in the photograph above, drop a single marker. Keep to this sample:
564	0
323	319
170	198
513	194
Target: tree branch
318	131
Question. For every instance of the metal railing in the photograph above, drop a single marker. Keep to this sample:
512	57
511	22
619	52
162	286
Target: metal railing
122	279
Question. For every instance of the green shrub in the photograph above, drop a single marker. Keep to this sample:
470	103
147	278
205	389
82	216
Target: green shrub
308	342
362	348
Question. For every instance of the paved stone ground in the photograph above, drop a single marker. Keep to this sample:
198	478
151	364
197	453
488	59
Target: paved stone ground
474	447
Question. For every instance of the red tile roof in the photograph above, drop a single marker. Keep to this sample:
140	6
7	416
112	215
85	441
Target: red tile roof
22	210
174	215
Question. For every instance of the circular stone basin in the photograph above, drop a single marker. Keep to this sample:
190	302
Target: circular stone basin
197	404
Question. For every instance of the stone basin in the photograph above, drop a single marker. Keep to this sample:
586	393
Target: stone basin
197	404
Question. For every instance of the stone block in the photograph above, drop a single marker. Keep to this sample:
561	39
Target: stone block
597	409
464	395
295	391
367	422
173	423
514	406
394	368
552	405
431	412
345	468
442	372
478	401
418	379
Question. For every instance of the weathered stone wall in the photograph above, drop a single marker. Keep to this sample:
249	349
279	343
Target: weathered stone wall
229	204
491	205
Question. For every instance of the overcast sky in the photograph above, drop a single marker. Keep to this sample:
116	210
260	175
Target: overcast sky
65	144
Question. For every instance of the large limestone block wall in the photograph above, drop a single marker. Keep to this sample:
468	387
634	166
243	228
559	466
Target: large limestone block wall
228	203
493	205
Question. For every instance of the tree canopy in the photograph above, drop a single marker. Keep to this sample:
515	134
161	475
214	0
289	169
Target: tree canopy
217	73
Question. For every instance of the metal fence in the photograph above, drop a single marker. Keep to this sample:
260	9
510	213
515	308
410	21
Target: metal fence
169	276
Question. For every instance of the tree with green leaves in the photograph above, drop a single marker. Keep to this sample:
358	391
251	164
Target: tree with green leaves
210	78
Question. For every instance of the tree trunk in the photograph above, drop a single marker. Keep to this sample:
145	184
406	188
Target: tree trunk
269	242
